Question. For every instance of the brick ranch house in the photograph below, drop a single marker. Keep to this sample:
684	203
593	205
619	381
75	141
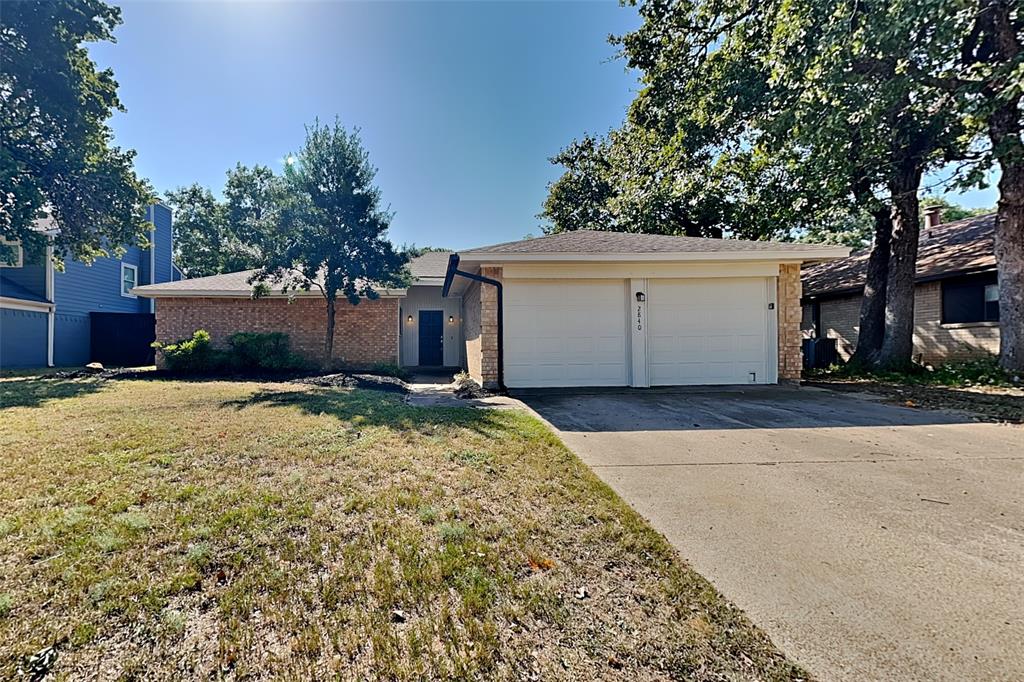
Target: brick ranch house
578	309
956	298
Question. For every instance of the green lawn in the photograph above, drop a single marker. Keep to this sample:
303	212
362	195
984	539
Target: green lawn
171	529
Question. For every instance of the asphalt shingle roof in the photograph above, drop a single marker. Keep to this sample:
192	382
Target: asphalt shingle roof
428	266
960	246
601	242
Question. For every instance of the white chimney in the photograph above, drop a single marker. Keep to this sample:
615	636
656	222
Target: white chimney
932	217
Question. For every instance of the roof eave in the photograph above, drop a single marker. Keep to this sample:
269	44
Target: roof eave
145	292
802	256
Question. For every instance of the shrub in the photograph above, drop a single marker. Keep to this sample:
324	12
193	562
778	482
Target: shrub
192	356
979	372
984	371
263	351
248	352
391	370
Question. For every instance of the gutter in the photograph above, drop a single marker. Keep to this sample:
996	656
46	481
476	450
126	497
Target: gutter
449	275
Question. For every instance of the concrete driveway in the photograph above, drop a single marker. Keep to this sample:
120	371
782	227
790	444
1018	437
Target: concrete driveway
869	541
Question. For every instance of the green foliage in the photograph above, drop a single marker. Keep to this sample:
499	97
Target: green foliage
250	351
247	352
389	369
331	228
983	371
56	151
195	355
855	228
413	251
213	236
952	211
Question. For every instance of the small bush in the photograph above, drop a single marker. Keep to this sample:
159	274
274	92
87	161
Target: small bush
193	356
263	351
979	372
391	370
248	352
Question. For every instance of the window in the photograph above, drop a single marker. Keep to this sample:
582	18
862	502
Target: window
970	299
129	279
13	256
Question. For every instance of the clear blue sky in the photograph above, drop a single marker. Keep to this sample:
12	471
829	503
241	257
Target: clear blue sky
460	104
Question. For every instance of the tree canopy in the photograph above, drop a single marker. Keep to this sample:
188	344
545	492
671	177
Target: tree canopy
332	229
57	155
214	236
787	118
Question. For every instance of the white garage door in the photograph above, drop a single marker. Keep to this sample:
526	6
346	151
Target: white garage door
707	331
565	333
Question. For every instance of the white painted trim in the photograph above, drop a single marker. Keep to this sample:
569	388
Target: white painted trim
20	261
21	304
772	331
640	376
120	283
51	315
776	255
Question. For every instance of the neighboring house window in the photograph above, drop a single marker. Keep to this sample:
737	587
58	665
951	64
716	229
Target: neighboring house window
13	256
129	279
974	299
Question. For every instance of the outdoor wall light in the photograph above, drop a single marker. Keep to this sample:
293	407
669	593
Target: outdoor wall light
640	297
451	319
409	319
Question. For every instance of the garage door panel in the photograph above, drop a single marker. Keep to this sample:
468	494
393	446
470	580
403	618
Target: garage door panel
707	331
565	333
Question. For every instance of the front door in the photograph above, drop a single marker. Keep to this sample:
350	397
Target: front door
431	338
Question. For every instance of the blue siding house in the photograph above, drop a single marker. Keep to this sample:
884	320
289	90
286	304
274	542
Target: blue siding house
45	314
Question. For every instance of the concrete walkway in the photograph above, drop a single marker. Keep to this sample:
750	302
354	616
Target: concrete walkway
438	390
871	542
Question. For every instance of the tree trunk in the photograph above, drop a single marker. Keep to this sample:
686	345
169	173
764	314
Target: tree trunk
1005	131
329	339
898	342
872	306
1010	262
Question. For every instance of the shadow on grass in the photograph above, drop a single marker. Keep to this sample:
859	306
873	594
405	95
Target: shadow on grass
34	391
377	408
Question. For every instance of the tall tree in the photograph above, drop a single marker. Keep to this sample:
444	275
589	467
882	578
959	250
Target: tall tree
983	68
254	198
214	236
205	240
56	151
815	88
332	228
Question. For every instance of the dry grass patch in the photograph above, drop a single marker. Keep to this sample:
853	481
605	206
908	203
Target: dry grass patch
169	530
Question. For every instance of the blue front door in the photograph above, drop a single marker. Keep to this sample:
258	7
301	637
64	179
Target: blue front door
431	338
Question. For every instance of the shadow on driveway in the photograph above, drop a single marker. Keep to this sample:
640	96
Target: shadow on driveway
702	408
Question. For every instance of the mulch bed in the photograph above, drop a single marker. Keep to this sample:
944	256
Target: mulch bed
989	404
376	382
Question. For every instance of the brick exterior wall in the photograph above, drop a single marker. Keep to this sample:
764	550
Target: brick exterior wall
789	314
480	329
934	342
489	329
364	334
